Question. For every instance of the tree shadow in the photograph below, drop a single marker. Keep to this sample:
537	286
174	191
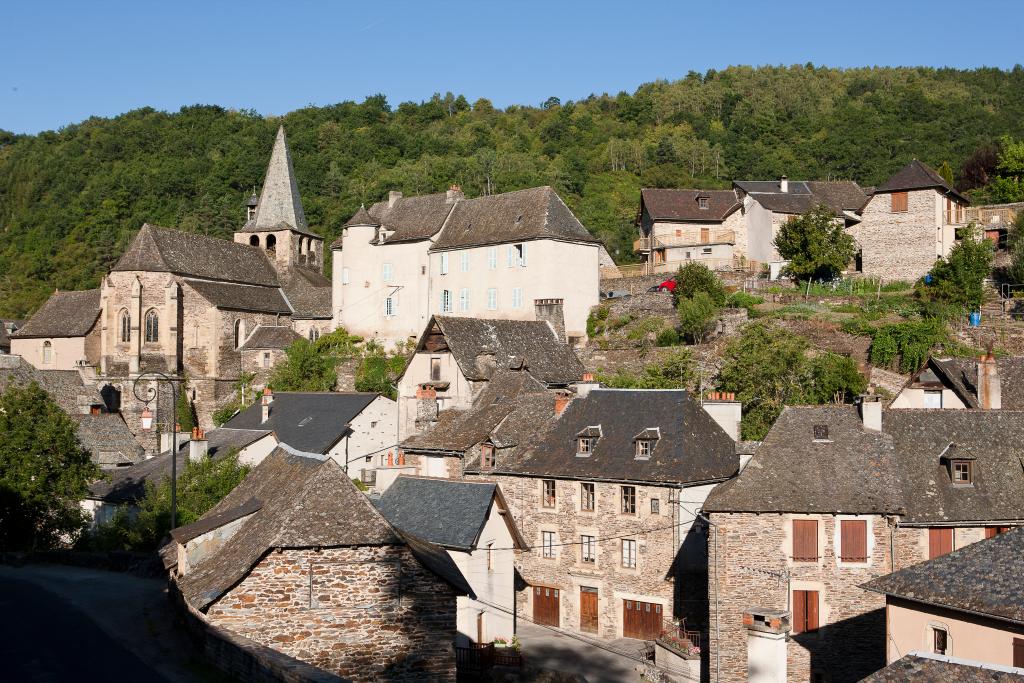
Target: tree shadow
847	650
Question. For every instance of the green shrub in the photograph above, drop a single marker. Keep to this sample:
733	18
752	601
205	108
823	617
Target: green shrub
596	321
645	327
695	277
743	300
620	322
697	316
906	346
667	337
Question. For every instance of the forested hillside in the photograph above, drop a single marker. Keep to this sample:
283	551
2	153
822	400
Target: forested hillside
70	200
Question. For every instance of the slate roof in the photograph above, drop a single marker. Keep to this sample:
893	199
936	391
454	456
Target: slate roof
184	534
681	205
239	297
108	438
982	578
361	217
160	250
279	206
128	485
447	512
535	213
307	421
918	667
308	291
65	314
853	471
839	195
306	502
961	375
65	387
412	218
918	176
270	337
994	437
693	447
472	341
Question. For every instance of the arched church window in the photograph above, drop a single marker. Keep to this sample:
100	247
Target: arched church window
271	243
254	241
152	326
125	326
314	334
239	332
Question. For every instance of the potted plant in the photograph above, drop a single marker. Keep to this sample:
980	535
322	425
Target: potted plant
515	644
500	642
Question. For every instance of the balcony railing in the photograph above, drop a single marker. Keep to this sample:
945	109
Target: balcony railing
691	239
669	267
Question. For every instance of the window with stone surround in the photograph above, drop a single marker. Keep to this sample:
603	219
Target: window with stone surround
628	500
588	549
655	506
940	640
47	353
629	553
125	324
899	202
547	544
853	540
584	445
266	359
587	497
548	493
152	326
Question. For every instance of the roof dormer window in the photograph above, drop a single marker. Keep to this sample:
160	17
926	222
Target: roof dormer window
962	472
821	434
702	202
586	440
646	441
959	464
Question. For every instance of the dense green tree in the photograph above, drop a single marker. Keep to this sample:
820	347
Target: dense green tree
378	370
695	278
306	368
957	280
832	378
44	472
697	316
816	245
1015	245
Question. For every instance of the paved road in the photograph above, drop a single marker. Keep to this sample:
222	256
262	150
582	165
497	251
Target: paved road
71	624
548	649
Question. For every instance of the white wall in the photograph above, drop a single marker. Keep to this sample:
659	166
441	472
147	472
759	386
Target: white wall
554	269
254	453
458	395
912	397
374	431
495	586
760	232
65	352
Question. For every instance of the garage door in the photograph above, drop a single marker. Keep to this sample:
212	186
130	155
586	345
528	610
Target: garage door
641	620
545	605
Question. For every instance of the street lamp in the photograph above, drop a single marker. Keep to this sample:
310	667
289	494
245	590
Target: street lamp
149	394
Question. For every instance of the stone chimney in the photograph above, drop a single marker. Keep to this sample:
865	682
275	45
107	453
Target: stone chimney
198	445
426	406
393	196
454	194
989	389
584	386
562	399
871	412
783	184
767	630
724	409
551	311
268	398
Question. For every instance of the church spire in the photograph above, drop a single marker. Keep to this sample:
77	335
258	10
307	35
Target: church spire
279	206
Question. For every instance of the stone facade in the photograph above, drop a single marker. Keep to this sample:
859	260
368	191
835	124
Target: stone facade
750	564
657	577
365	613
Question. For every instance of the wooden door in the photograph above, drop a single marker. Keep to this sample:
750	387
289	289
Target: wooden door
545	605
588	610
641	620
705	235
1018	651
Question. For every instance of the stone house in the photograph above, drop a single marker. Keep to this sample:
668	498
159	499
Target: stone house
356	429
297	559
408	258
910	221
455	358
473	523
987	383
682	225
264	349
606	498
968	604
183	303
837	496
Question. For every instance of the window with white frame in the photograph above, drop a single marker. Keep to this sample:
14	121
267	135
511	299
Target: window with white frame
588	549
464	299
510	256
446	301
492	257
344	276
47	353
464	262
547	542
387	272
629	553
492	299
517	297
520	255
444	263
389	307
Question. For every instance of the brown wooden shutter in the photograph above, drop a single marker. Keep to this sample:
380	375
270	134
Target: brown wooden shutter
854	540
940	542
812	610
1018	651
805	540
799	611
899	202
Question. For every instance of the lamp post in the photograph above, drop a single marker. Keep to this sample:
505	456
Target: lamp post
149	394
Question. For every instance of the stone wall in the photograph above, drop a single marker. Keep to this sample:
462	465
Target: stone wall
749	558
654	578
900	246
912	543
365	613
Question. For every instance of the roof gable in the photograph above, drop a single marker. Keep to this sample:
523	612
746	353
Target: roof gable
683	205
65	314
918	176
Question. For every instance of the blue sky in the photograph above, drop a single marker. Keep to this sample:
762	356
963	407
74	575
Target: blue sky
61	62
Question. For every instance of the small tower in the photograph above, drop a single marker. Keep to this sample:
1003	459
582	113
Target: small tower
276	221
250	206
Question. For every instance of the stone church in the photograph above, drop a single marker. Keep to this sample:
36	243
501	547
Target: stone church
183	303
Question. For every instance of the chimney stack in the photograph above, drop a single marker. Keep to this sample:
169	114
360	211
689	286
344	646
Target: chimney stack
783	184
586	384
198	446
268	398
562	399
393	196
989	389
767	631
426	406
871	412
551	311
453	194
724	409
